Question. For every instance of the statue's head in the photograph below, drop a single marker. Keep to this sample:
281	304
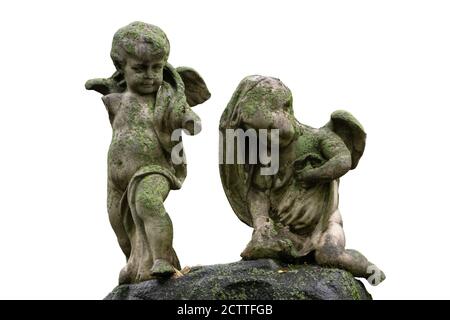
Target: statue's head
267	103
140	51
268	93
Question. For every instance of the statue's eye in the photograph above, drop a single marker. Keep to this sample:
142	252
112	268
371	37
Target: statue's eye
138	68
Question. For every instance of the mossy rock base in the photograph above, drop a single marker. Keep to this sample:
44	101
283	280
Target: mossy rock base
249	280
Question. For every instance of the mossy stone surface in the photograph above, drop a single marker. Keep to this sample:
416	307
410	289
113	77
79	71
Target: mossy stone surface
250	280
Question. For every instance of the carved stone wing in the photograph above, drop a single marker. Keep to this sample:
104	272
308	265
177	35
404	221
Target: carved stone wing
195	87
105	86
345	125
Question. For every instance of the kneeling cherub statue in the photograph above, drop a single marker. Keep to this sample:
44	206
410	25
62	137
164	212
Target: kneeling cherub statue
148	102
294	211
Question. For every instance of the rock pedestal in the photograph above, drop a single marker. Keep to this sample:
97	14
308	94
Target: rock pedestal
249	280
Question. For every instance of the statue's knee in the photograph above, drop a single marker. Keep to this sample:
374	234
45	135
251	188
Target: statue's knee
322	258
150	196
328	255
149	205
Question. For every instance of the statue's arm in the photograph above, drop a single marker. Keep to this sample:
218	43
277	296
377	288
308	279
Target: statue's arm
112	103
338	163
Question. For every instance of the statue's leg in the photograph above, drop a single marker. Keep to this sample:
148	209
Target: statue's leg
151	192
268	240
116	220
258	204
331	252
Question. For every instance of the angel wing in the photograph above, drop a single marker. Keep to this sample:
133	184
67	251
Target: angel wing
114	84
345	125
195	87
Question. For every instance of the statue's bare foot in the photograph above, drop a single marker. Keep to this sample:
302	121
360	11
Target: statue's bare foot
162	268
266	243
261	250
126	275
375	275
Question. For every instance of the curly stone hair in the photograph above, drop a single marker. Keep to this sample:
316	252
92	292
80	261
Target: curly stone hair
137	39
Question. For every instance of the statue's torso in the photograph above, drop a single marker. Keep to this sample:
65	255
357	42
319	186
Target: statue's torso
134	143
303	151
290	199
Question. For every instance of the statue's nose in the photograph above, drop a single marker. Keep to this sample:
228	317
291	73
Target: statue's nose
150	74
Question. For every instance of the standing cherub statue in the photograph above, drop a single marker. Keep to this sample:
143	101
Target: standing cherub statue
148	101
294	212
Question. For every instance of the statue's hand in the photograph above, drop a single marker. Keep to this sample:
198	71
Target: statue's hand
307	174
307	177
323	174
312	169
307	169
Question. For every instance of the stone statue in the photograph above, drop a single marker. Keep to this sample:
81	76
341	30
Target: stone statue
294	212
148	103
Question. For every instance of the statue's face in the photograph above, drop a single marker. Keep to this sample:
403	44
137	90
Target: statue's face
269	106
144	75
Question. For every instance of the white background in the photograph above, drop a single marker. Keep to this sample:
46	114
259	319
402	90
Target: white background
388	62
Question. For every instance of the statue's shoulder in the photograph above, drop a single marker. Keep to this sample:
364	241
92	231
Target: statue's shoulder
327	134
308	140
112	101
316	135
309	133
